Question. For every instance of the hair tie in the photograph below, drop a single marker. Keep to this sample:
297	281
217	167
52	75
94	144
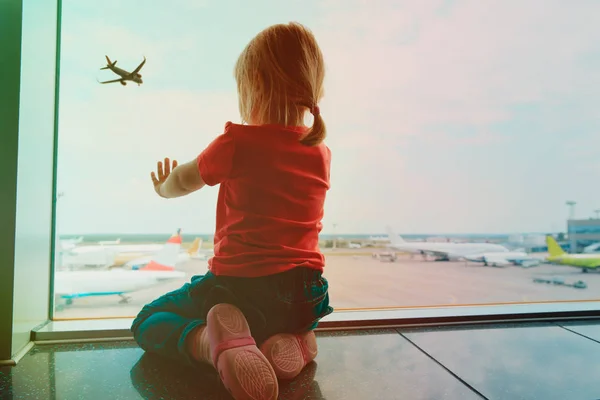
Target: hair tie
315	110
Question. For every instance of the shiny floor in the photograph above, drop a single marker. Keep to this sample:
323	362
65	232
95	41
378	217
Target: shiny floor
519	361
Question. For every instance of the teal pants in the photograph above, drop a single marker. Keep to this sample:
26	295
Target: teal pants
289	302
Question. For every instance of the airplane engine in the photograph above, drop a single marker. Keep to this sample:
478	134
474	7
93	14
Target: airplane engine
123	83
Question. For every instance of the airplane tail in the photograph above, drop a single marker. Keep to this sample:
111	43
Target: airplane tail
193	250
392	236
554	248
166	258
110	63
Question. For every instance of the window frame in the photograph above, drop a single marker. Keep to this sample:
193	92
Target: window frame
103	329
119	328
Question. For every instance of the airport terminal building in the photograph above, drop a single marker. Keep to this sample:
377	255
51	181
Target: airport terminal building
584	232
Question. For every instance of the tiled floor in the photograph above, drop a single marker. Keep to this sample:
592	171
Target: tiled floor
533	361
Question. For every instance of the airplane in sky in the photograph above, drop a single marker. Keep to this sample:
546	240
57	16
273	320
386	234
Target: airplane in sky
70	285
442	251
505	258
125	76
557	255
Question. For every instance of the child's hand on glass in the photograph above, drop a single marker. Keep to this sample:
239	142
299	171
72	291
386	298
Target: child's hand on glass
163	172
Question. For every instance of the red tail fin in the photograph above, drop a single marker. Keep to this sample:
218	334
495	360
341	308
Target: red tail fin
166	258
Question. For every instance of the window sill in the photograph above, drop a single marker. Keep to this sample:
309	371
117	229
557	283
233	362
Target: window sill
118	328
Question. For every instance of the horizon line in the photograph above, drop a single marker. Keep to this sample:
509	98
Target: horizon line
324	233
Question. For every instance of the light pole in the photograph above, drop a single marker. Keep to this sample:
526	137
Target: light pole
571	205
334	236
597	213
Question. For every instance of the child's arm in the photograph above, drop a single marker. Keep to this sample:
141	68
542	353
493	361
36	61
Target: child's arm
180	181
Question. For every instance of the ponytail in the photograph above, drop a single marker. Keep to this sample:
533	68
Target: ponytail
316	134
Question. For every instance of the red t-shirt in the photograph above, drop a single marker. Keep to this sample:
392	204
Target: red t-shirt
270	203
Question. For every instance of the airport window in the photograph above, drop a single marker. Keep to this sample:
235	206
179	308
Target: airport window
586	229
450	125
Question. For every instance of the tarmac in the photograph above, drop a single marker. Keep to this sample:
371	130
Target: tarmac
359	281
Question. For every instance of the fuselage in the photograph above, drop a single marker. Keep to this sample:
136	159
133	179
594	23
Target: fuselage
577	260
519	258
509	255
126	75
96	283
452	249
119	248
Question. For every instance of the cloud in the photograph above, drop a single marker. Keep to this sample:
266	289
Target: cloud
405	75
437	111
467	67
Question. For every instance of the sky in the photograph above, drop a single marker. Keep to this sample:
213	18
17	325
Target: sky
443	116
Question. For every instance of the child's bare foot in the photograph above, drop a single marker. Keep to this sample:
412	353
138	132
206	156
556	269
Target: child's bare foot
244	370
289	354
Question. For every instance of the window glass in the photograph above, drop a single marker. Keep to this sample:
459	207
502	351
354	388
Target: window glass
462	134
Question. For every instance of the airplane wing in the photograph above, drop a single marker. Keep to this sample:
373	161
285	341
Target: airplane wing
500	260
138	263
423	247
114	80
492	260
435	253
523	260
419	249
139	67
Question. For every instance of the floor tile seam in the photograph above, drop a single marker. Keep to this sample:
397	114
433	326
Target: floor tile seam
579	334
435	360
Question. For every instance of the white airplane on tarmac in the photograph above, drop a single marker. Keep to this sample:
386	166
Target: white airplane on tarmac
114	254
67	244
173	247
442	251
160	268
504	259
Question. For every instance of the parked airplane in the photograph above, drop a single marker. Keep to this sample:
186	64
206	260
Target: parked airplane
171	249
100	255
70	285
557	255
502	259
103	256
67	244
200	253
442	251
133	76
592	248
109	242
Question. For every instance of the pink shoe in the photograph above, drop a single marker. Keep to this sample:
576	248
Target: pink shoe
244	370
289	354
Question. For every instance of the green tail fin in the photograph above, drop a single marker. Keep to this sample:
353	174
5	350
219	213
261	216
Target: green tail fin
553	248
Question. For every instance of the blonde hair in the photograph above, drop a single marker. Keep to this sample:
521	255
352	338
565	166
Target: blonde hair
279	76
